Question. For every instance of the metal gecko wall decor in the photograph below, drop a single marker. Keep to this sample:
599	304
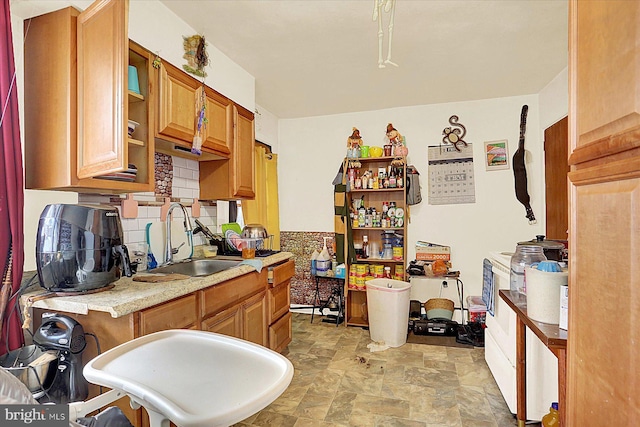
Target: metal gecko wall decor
455	133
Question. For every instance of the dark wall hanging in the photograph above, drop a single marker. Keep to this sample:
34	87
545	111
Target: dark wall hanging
520	171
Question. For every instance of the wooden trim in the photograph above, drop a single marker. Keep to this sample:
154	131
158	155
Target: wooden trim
614	171
607	146
521	371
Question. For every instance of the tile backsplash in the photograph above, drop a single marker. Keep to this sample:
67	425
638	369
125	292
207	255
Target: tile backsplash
180	180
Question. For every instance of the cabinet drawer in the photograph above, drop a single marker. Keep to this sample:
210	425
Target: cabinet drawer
279	301
230	292
177	314
280	333
282	272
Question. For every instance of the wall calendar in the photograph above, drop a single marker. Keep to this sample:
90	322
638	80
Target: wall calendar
451	176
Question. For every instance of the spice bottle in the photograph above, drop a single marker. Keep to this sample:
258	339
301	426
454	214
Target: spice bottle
387	272
365	246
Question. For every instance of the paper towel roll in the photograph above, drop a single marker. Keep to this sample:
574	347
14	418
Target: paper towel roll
543	294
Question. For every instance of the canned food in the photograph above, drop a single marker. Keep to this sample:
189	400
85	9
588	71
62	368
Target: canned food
398	252
352	282
378	271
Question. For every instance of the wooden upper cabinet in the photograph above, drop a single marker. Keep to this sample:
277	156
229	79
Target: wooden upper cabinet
244	154
77	102
102	85
177	113
234	178
218	133
602	71
177	97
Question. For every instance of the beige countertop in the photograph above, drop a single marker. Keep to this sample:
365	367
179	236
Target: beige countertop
128	296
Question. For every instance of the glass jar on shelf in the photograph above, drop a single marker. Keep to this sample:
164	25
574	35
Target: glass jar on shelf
525	256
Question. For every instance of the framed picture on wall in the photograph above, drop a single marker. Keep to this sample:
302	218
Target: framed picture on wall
496	155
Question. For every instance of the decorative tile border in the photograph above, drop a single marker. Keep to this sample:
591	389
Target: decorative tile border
302	244
164	175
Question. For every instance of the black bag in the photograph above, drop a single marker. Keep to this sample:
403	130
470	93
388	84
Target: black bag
472	333
413	186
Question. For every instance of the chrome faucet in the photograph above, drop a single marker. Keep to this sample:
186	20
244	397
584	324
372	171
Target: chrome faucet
170	251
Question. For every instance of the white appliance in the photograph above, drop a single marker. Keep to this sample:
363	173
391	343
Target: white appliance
500	351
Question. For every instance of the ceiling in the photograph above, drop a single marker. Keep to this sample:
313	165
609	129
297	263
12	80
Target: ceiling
320	57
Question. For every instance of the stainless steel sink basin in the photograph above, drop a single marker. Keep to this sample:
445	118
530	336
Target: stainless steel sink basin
197	267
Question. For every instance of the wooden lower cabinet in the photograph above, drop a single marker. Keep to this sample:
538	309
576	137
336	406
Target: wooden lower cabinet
254	320
227	322
245	321
244	307
279	300
181	313
280	333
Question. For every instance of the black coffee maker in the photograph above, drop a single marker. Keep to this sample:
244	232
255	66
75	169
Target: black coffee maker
79	247
66	336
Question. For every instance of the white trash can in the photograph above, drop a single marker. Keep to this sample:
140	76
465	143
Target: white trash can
388	310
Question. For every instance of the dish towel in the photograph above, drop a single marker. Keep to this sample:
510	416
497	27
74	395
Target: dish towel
255	263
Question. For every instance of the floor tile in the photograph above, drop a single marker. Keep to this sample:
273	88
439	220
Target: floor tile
338	382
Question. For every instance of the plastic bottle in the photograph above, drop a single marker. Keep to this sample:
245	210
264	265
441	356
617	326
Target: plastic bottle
552	419
323	263
314	259
525	256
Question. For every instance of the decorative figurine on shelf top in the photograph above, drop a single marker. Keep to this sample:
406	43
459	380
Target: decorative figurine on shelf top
393	135
399	149
195	53
354	140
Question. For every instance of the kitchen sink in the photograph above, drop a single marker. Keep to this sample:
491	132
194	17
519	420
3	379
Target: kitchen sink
197	267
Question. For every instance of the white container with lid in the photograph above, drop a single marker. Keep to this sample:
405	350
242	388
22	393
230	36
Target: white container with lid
543	293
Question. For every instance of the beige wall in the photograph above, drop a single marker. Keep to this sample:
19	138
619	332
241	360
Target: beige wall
311	150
